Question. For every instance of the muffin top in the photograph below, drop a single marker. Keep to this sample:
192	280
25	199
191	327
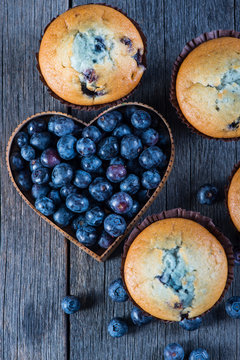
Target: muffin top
208	87
234	199
175	267
91	54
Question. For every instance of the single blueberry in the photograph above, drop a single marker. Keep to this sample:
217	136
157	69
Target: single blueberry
91	163
121	131
85	146
45	205
87	235
55	197
117	292
114	225
50	158
67	190
21	139
100	189
117	327
207	194
199	354
117	161
108	121
66	147
35	164
232	307
82	179
27	152
40	176
236	256
140	119
105	240
152	157
70	304
77	203
39	190
173	352
41	141
16	161
131	146
131	184
63	216
61	125
93	133
95	216
36	126
150	137
121	203
62	174
108	148
23	179
139	317
191	324
134	210
79	222
116	173
151	179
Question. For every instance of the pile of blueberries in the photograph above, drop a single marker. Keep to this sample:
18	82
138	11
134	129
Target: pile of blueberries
94	178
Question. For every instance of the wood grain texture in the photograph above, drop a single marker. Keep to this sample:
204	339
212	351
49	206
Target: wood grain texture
33	255
37	268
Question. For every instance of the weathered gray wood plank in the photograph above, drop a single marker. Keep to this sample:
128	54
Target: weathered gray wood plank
32	259
210	162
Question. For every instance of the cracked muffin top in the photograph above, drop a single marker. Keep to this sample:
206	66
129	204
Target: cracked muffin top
175	268
91	54
208	88
233	199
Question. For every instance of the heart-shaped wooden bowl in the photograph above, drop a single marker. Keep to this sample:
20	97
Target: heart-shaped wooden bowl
99	254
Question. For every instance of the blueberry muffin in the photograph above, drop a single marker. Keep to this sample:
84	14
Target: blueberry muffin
175	268
233	199
91	55
208	88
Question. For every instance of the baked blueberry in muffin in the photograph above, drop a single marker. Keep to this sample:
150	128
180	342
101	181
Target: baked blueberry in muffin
91	54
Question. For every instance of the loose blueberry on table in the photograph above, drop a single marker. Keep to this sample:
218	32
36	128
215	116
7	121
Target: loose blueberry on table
117	327
117	292
236	256
191	324
207	194
70	304
139	318
199	354
173	352
93	179
232	307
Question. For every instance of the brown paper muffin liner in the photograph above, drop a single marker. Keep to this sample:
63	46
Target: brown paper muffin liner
98	106
234	170
191	215
191	45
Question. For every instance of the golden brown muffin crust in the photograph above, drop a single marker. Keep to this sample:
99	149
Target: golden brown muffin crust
208	87
116	75
234	199
199	269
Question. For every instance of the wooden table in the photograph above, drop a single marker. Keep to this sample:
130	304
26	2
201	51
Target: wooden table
38	267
